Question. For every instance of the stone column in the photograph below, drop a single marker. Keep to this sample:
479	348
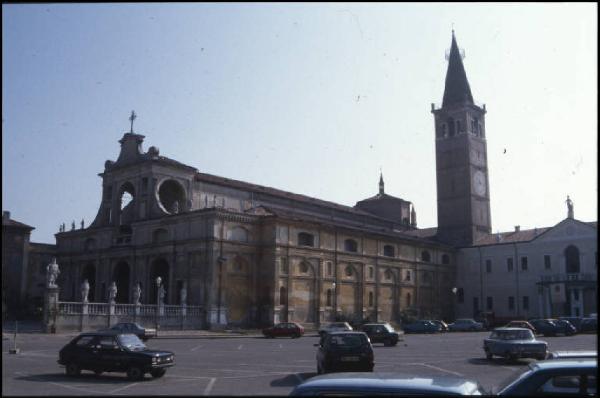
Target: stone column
51	309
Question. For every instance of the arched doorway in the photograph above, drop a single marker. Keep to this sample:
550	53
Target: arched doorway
160	267
89	273
121	277
572	259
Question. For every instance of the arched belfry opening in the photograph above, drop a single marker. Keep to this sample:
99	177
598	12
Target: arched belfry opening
171	196
126	204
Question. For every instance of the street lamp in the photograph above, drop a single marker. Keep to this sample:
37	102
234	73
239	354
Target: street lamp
334	302
158	281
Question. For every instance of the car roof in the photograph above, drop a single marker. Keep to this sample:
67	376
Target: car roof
376	324
510	329
565	363
106	332
388	381
574	354
346	332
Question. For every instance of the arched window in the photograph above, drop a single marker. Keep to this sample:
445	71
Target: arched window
425	256
445	259
370	299
329	268
349	270
450	123
350	245
388	274
444	130
282	295
572	259
303	268
388	250
328	297
306	239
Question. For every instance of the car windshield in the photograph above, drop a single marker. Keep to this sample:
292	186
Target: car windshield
389	327
347	340
512	335
131	342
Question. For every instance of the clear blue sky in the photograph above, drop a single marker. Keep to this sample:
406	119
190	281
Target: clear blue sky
308	98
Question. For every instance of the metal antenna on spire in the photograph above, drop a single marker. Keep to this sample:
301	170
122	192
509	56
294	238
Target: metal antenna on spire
132	118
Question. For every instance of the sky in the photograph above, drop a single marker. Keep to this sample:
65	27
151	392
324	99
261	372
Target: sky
314	99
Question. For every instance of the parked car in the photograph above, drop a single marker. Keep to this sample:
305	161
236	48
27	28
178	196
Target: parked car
284	329
514	343
388	384
589	325
113	351
421	326
381	333
573	320
134	328
465	325
335	327
443	325
556	377
552	327
572	354
521	324
340	351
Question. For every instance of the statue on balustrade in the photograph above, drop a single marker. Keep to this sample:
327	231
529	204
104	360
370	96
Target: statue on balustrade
85	290
137	293
52	272
161	294
183	293
112	293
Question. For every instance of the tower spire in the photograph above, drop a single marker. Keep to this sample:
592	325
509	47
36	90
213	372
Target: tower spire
381	182
457	89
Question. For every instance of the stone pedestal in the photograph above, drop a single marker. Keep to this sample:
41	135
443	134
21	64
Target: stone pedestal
290	314
138	309
161	309
50	309
184	309
111	308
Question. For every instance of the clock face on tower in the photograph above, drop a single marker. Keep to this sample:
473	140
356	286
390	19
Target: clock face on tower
479	182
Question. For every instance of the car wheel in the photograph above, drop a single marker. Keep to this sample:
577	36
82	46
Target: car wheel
73	369
488	355
157	373
135	373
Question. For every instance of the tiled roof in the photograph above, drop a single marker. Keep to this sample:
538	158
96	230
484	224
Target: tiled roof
15	224
424	233
525	235
382	196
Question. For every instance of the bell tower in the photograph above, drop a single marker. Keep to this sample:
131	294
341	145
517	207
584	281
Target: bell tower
463	196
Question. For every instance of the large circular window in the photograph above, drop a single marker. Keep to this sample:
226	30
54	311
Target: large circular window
171	196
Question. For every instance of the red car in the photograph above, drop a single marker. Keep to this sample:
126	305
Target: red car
284	329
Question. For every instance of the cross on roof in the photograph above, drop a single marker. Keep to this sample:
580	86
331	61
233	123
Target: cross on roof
132	118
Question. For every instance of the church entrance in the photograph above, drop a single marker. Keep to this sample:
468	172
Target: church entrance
121	278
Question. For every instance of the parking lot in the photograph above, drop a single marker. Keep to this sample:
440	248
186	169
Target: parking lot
254	365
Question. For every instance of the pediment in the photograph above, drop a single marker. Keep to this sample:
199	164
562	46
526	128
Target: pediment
569	229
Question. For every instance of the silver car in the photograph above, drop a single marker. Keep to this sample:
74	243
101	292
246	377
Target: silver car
335	327
465	325
514	343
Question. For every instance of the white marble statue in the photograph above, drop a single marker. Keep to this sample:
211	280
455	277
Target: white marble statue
137	293
183	293
52	272
112	292
85	289
161	294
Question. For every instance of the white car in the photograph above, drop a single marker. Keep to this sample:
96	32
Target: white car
465	325
335	327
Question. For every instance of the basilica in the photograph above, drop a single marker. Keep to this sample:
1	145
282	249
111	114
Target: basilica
251	255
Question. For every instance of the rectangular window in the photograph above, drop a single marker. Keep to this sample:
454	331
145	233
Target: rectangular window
509	264
525	302
329	268
490	303
407	278
284	266
523	263
547	263
488	266
371	272
511	303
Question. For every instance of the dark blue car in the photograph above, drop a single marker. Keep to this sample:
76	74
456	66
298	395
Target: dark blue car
553	327
422	326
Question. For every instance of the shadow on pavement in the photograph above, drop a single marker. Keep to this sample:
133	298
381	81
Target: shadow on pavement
291	380
84	377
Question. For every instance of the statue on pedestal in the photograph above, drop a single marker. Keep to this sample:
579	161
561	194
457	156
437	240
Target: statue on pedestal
85	289
161	294
183	293
569	202
175	209
137	293
52	272
112	293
